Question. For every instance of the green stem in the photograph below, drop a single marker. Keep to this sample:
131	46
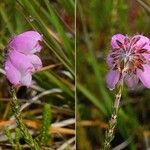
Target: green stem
109	134
24	131
10	138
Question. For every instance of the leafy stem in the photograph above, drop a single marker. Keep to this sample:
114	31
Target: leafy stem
23	130
109	134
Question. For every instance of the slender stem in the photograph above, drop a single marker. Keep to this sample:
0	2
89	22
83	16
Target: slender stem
24	131
109	134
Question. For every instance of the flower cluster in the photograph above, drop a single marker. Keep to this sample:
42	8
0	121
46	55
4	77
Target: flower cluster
21	61
129	59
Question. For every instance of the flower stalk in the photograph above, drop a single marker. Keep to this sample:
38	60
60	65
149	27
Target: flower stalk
129	63
23	130
109	134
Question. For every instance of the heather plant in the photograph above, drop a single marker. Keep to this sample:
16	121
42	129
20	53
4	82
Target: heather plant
113	108
37	90
19	66
129	62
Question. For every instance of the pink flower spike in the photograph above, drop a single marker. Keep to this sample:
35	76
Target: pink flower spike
130	58
20	62
27	42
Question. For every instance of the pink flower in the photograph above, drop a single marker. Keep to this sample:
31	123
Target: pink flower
21	62
129	59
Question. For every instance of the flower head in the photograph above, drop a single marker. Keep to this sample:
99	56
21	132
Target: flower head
129	60
21	62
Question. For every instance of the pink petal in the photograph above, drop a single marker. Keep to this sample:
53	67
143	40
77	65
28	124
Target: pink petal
26	79
21	62
12	74
35	60
142	41
131	81
37	37
32	34
112	79
118	37
27	42
144	76
147	57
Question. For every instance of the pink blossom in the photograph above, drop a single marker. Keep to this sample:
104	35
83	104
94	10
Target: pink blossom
21	62
129	59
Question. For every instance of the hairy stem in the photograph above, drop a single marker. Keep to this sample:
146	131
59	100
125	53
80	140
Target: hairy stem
109	134
24	131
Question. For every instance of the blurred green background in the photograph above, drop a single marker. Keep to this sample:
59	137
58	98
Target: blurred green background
54	84
97	21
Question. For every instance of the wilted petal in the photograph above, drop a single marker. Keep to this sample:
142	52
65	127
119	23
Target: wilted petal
131	81
144	76
112	78
27	42
116	37
26	79
21	62
35	60
109	61
12	74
